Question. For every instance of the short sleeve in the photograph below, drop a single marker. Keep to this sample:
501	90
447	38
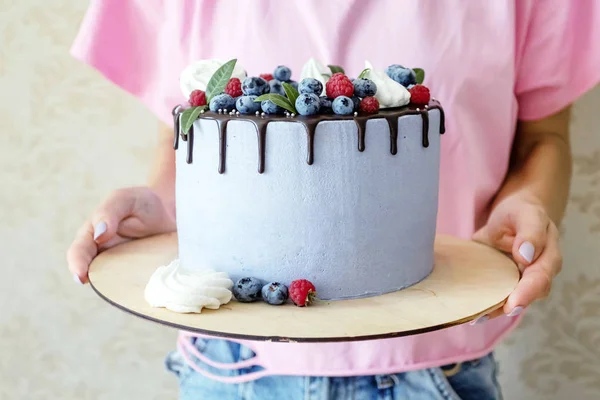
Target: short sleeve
558	54
122	40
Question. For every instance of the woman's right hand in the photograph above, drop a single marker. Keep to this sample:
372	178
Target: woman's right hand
127	214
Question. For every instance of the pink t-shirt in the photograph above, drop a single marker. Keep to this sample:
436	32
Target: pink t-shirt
488	62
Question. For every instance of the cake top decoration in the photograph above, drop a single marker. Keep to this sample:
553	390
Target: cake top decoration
224	88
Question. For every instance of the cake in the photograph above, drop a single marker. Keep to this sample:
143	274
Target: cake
346	200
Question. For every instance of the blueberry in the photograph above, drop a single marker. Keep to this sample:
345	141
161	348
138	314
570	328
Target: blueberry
310	85
282	73
247	105
404	76
276	87
364	87
356	102
247	290
308	104
270	108
275	293
325	105
294	84
343	105
255	86
221	102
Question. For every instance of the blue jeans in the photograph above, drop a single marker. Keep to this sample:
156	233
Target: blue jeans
471	380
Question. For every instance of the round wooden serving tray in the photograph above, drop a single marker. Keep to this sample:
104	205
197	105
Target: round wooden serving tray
468	280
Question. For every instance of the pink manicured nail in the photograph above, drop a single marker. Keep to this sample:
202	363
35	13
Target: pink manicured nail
99	229
480	320
527	251
77	280
515	311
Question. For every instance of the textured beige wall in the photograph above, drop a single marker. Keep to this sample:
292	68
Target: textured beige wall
67	137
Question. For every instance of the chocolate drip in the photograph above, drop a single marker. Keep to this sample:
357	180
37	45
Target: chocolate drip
222	144
190	145
310	124
361	125
261	130
310	127
425	133
442	118
176	131
176	117
393	124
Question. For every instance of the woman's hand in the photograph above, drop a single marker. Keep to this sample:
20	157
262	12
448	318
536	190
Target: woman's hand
520	226
127	214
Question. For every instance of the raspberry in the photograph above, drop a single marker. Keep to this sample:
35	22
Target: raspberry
419	94
369	104
302	292
266	77
339	85
234	88
197	98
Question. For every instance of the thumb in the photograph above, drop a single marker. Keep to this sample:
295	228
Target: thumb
489	235
118	206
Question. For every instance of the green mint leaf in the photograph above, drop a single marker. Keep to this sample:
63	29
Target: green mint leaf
278	99
291	93
420	75
216	84
188	117
364	73
335	69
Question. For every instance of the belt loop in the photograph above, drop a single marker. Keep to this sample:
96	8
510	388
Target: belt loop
385	381
455	369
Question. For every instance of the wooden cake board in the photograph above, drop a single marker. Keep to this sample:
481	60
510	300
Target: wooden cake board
468	280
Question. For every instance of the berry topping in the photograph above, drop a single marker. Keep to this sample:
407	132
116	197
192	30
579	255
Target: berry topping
369	105
308	104
294	84
302	292
234	87
339	85
222	102
197	98
419	94
255	86
310	85
275	293
247	105
343	105
364	87
356	102
282	73
276	87
270	108
267	77
404	76
325	105
247	290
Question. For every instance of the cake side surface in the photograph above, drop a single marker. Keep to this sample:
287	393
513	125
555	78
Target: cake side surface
356	223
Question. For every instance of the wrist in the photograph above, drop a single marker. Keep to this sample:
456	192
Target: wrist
167	198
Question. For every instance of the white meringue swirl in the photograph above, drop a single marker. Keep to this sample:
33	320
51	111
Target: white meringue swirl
389	92
314	69
184	291
196	75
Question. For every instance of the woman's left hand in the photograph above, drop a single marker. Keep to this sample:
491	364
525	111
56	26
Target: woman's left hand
519	225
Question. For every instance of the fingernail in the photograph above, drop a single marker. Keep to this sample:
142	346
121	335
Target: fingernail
99	229
77	280
480	320
527	251
515	311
